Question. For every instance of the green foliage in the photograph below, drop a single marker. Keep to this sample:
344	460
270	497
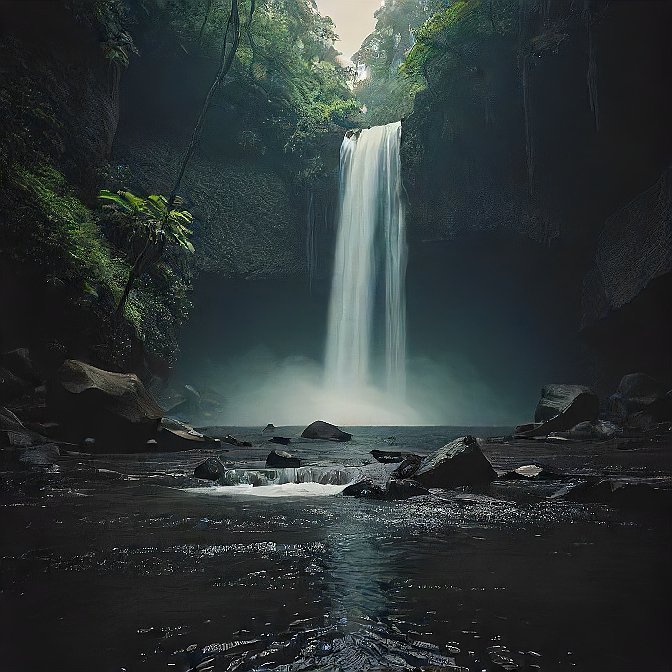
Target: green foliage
62	235
285	79
387	91
149	219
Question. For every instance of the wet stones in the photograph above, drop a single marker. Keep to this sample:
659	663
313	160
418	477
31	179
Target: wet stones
460	462
394	490
210	470
282	460
325	431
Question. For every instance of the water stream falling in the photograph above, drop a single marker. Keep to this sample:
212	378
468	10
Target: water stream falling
371	219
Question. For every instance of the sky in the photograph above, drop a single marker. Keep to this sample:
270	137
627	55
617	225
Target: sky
354	21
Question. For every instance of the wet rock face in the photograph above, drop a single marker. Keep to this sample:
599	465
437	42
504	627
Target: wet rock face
460	462
325	431
113	408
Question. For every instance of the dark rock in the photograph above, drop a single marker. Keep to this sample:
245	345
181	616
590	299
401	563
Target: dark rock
175	436
325	431
576	400
460	462
233	441
562	407
636	392
387	456
598	430
366	489
210	470
408	467
282	460
404	489
20	363
11	386
40	456
14	434
113	408
88	444
269	428
281	440
623	494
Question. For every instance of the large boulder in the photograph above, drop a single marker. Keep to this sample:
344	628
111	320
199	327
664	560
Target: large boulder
113	408
20	363
11	386
460	462
13	433
282	460
641	401
210	470
575	403
175	436
325	431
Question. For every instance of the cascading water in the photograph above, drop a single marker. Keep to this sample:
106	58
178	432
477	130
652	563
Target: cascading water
371	211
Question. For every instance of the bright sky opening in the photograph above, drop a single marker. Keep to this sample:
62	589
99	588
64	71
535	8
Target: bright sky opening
354	21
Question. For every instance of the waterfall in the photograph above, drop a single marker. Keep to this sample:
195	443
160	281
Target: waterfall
371	216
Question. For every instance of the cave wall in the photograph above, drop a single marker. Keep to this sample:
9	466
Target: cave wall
548	128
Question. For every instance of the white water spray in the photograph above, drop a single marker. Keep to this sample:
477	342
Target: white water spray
371	212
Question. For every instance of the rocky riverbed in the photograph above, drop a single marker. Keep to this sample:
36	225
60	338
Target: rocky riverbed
128	562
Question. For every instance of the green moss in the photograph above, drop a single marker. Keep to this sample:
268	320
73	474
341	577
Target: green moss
66	237
447	32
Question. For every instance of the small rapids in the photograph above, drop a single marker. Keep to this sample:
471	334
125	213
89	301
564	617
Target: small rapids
309	481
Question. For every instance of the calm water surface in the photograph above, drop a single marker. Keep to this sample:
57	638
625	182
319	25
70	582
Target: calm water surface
127	563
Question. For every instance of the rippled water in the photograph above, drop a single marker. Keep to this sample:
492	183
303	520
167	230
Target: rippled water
127	563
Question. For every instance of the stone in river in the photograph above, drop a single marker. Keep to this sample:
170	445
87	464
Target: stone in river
366	489
282	460
404	489
325	431
460	462
209	470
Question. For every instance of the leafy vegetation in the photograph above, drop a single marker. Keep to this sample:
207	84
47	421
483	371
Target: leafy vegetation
148	225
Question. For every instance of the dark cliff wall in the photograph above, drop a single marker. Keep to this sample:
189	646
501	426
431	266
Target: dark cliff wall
551	122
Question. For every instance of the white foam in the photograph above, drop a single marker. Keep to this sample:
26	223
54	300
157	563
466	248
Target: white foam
284	490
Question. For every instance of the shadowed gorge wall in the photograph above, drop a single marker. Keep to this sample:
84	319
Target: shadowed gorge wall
541	120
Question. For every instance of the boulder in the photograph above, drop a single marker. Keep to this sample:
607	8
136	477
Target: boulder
636	392
280	440
557	399
270	427
365	489
622	494
210	470
11	386
408	467
13	433
113	408
325	431
173	439
404	489
20	363
282	460
562	407
460	462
